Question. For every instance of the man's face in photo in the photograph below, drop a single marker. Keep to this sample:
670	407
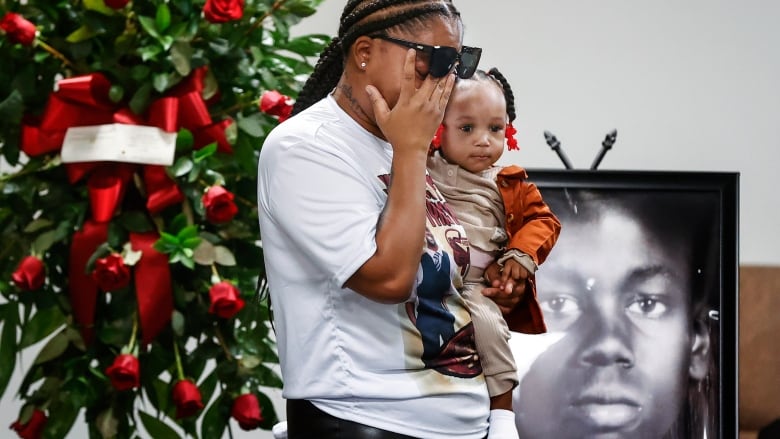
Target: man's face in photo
619	299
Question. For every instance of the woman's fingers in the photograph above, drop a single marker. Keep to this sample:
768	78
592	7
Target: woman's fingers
440	94
381	110
408	86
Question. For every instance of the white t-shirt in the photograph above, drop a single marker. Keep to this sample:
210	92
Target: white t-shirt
321	190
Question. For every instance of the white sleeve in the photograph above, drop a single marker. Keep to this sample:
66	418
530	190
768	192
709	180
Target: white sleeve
323	202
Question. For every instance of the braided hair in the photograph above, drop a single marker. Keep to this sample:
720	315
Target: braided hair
364	17
494	75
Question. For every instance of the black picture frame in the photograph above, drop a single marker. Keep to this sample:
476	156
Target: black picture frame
721	189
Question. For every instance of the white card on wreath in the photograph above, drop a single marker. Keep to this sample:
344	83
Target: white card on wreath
118	142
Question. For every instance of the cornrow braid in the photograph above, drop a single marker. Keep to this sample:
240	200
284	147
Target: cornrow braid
357	21
349	19
509	96
325	76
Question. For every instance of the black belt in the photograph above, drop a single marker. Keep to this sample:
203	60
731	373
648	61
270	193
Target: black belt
305	421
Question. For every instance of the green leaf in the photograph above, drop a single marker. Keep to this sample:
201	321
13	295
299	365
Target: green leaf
44	241
269	413
205	253
140	72
191	244
41	325
150	52
163	17
178	223
157	428
181	54
101	251
184	141
57	427
166	41
12	107
38	224
308	45
187	261
81	34
116	93
167	243
301	8
161	82
177	323
188	232
214	420
10	319
116	235
150	26
98	6
205	152
182	166
254	125
224	256
140	100
53	349
208	385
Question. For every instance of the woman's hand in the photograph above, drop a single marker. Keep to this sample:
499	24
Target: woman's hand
504	290
413	121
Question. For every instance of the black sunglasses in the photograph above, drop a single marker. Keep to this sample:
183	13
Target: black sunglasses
441	59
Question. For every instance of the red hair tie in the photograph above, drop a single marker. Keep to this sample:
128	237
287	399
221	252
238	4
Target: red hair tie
436	141
511	142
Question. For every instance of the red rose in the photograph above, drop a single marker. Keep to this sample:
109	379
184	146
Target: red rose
111	273
219	205
225	300
33	428
186	398
276	104
116	4
246	410
222	11
124	373
30	274
18	29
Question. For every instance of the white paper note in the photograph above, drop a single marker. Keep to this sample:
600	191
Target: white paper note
119	143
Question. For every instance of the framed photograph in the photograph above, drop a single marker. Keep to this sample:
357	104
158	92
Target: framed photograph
639	296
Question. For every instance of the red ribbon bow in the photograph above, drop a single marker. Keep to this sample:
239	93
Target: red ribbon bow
83	101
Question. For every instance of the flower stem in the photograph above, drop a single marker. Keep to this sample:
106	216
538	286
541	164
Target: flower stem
237	107
186	209
133	337
55	53
214	274
179	368
276	6
222	343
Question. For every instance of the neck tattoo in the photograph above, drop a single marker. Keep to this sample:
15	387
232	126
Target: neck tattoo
346	91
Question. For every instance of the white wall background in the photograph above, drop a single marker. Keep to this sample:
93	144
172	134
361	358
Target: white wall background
689	85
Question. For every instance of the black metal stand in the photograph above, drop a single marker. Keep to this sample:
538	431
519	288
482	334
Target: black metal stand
606	145
553	143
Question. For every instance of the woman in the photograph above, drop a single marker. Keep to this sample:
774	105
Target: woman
345	207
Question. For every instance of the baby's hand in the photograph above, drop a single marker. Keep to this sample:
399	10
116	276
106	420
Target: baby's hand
505	291
513	270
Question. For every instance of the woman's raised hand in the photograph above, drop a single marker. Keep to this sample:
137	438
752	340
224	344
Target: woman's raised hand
411	124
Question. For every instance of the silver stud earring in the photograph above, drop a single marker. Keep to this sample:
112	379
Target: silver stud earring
363	65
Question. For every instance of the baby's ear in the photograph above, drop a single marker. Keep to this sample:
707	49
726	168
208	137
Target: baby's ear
700	351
